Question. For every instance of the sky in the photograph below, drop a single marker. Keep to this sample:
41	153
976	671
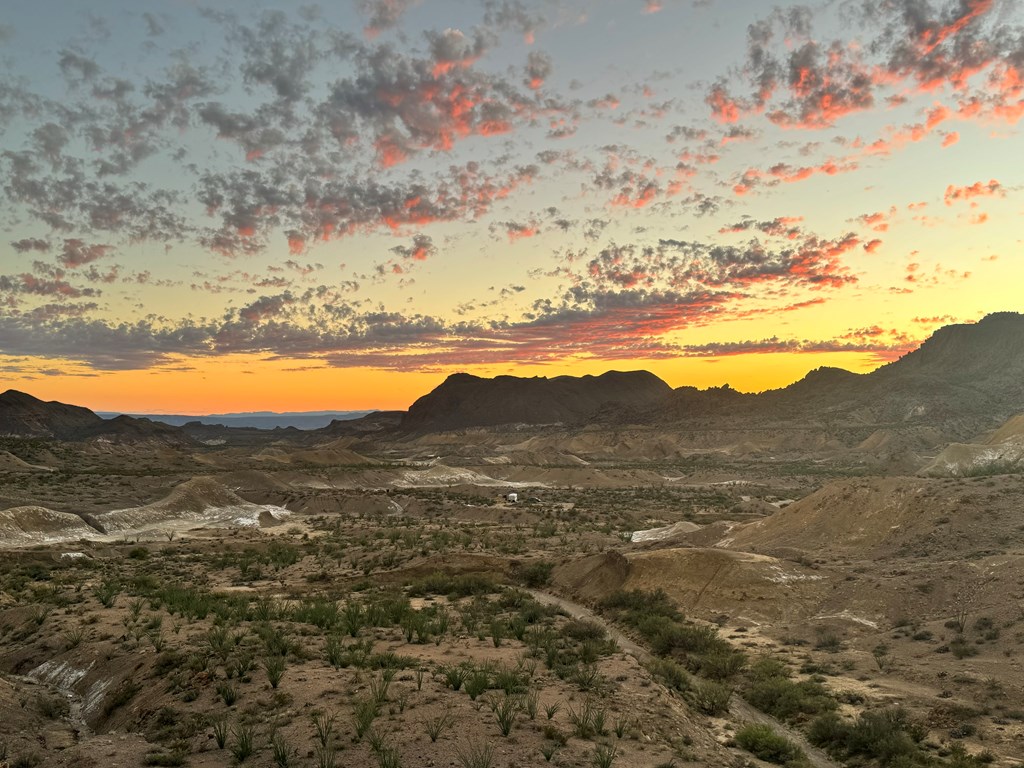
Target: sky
235	205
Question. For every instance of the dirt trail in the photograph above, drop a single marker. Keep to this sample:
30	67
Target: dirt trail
738	707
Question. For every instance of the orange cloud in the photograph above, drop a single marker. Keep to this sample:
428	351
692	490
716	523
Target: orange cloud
932	38
978	189
723	107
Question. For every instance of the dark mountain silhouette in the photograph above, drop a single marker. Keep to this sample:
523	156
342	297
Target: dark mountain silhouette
470	401
964	379
305	420
965	376
23	415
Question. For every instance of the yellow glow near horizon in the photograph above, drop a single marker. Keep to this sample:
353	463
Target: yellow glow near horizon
247	383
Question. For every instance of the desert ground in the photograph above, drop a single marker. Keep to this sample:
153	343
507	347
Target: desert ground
369	601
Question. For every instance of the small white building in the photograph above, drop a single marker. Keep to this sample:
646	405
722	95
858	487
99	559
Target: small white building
512	498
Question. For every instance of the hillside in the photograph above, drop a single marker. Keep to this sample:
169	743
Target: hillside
964	379
468	401
24	415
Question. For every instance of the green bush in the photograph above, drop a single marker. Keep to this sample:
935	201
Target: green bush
466	585
721	663
537	574
710	697
765	744
669	674
887	735
787	700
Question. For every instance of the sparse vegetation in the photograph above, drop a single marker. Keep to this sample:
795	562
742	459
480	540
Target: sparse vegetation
355	637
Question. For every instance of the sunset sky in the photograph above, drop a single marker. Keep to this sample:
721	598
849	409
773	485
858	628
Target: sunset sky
233	205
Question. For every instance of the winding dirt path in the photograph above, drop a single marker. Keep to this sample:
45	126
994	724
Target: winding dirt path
739	709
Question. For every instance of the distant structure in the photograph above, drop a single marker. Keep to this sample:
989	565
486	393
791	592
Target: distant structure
512	498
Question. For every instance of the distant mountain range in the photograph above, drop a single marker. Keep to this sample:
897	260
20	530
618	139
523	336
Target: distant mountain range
26	416
253	420
963	380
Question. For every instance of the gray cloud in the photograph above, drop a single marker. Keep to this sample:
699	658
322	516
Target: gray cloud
802	82
31	244
383	14
76	253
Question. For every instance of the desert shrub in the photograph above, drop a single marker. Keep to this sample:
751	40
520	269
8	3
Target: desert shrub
586	677
765	744
455	675
670	674
220	731
243	743
365	712
772	691
961	648
324	725
228	693
73	637
828	641
124	693
321	613
581	629
721	663
281	750
463	585
537	574
505	711
274	667
107	593
389	660
604	755
888	736
477	682
632	605
188	602
585	719
165	758
475	754
275	641
353	617
700	646
510	679
387	610
437	725
710	697
52	707
281	554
